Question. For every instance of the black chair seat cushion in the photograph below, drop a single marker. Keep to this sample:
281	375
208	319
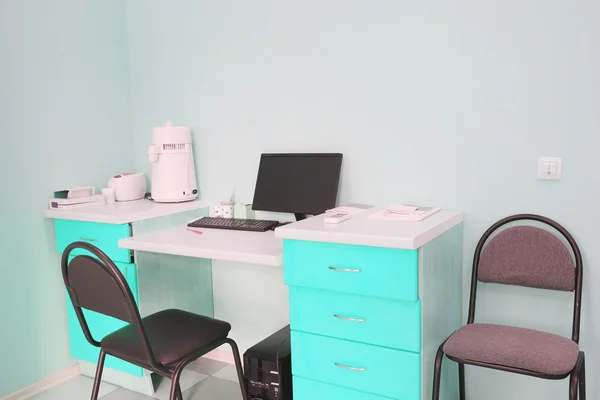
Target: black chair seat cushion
510	346
173	335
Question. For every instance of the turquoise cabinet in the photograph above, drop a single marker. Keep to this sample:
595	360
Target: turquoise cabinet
315	390
369	271
105	237
371	369
366	321
384	322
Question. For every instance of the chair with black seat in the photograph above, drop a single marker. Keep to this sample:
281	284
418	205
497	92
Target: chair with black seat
529	256
164	342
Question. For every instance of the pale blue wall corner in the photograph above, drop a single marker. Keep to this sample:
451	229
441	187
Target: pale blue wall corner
64	122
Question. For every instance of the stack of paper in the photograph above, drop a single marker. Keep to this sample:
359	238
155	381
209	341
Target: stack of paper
77	202
350	209
404	213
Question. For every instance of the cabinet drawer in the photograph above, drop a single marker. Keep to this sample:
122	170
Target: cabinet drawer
369	271
101	325
305	389
371	369
373	320
103	236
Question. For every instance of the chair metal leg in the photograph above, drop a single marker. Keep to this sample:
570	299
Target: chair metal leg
179	394
98	378
238	367
574	384
437	373
461	381
175	388
582	393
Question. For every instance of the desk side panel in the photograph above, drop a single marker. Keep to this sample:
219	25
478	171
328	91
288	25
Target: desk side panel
167	281
441	300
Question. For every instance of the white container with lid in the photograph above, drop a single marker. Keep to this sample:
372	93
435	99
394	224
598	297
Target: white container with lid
173	173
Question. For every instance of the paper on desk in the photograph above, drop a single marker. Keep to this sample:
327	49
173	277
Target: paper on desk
403	213
400	210
348	209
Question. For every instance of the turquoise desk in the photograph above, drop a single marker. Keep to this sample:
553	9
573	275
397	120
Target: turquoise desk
370	302
157	283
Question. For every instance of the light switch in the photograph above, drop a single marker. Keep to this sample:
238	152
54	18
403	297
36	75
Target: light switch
549	168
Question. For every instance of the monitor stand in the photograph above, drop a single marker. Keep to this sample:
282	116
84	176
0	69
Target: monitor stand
300	217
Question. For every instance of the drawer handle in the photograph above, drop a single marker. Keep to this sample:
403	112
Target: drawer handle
349	318
349	367
344	269
87	239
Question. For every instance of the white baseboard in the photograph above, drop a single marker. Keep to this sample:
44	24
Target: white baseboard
219	355
68	373
44	384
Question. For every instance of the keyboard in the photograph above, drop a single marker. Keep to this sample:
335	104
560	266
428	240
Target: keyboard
236	224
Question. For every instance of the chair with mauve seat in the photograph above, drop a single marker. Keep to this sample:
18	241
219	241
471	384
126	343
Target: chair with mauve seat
164	342
523	256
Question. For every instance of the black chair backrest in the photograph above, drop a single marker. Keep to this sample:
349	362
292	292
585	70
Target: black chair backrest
529	256
96	284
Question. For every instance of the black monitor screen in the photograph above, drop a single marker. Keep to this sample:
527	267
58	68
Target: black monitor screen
297	183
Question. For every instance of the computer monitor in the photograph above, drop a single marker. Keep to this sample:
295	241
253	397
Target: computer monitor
297	183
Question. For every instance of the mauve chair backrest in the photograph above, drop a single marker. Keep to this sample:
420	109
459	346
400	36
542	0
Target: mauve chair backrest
527	256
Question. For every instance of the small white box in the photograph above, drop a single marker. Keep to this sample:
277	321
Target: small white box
243	211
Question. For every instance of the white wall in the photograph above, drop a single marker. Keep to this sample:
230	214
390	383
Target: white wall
439	103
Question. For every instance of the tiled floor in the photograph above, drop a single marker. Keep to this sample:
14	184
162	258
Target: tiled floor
218	381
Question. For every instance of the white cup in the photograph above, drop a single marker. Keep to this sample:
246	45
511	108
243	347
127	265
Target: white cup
109	194
226	209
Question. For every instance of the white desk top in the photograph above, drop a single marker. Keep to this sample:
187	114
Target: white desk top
125	212
217	244
359	230
266	247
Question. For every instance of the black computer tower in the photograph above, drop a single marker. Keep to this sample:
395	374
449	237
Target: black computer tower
268	367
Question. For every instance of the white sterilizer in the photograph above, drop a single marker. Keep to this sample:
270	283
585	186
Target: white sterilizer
172	158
